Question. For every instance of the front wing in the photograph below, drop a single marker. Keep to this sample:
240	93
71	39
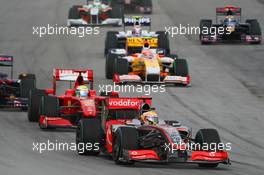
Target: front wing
119	79
196	157
81	22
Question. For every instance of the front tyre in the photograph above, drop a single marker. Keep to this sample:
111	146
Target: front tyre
88	136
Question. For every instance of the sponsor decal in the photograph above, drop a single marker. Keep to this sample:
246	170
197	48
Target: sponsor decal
123	102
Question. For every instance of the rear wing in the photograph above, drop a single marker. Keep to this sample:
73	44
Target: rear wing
228	10
72	75
7	61
78	76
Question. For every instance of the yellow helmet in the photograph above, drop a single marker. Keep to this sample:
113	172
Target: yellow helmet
149	118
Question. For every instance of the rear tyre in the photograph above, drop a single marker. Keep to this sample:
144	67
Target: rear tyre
163	41
111	41
34	100
209	137
205	23
88	132
74	12
28	82
125	138
254	28
117	11
110	65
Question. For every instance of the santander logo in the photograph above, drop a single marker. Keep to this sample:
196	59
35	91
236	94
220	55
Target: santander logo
124	102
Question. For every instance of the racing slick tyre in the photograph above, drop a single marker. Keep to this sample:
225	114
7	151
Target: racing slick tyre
74	12
121	67
254	28
89	134
110	41
110	65
117	12
28	82
204	23
180	68
163	41
209	137
49	106
125	138
34	100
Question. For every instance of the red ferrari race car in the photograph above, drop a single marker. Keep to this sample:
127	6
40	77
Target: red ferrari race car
130	131
53	111
14	92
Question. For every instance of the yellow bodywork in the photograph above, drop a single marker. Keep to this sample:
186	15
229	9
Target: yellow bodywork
139	65
139	42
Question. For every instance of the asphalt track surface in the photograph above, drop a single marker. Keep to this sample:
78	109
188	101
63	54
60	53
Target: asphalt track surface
227	88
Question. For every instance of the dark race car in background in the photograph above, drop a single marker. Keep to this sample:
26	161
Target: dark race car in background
137	6
14	92
229	18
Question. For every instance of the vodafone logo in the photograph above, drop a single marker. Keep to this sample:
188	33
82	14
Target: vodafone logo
124	102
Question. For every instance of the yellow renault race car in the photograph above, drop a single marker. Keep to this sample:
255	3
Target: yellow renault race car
148	66
133	39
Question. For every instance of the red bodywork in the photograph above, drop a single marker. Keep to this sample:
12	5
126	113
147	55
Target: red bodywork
84	12
86	107
224	10
121	103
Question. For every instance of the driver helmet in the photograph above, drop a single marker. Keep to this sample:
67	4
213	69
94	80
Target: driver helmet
82	91
137	30
147	53
149	118
229	18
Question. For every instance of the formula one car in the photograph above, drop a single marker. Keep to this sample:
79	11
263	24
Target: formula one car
133	40
136	6
95	12
120	133
233	27
14	92
53	111
149	66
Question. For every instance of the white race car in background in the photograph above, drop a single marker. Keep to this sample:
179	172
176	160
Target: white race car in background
96	13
